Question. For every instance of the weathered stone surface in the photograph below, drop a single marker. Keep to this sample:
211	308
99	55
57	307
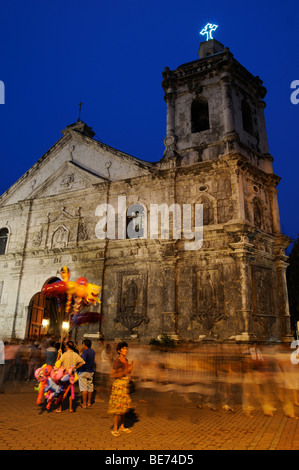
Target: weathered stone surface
233	287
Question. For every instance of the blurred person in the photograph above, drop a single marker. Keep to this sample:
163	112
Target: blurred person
264	379
35	360
286	375
10	352
86	373
60	346
21	362
248	383
120	400
51	354
227	377
107	360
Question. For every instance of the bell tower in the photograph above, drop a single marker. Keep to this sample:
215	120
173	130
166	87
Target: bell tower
214	106
216	132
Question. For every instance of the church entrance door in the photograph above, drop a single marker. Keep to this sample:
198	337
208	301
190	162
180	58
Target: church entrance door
36	308
44	315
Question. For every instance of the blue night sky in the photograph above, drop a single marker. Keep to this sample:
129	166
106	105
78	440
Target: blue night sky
110	56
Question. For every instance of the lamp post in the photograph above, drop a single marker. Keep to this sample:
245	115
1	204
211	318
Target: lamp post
65	325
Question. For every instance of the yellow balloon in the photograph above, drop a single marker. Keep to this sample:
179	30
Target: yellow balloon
93	292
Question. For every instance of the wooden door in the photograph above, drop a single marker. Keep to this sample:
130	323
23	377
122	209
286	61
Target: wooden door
37	315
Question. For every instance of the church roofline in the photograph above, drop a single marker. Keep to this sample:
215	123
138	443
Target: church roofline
98	143
72	132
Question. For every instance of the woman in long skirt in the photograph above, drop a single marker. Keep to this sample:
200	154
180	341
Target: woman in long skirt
120	399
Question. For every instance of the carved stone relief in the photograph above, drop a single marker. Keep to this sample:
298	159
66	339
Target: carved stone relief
209	208
208	215
67	181
208	297
82	229
263	303
60	237
37	238
132	300
257	213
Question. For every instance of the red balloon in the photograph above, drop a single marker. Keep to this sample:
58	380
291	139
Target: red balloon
54	289
82	281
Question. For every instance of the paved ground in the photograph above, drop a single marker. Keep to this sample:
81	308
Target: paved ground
160	421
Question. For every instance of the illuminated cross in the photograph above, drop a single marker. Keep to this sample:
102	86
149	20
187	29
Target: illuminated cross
208	29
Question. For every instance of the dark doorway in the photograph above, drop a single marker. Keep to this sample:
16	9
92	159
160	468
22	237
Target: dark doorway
45	314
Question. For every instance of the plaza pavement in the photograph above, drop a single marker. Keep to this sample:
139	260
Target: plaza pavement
161	421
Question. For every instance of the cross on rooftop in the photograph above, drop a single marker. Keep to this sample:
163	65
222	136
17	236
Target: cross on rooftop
208	29
80	106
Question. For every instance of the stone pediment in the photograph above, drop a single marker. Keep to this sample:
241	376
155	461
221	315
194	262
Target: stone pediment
61	216
70	177
75	162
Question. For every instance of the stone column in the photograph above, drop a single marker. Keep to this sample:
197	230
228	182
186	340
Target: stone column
237	178
170	139
264	147
284	311
227	104
275	210
169	313
26	209
242	255
170	122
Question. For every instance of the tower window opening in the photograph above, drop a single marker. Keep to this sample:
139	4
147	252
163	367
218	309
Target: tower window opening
200	116
247	118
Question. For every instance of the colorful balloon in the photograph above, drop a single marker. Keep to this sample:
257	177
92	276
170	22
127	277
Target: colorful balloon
55	383
81	291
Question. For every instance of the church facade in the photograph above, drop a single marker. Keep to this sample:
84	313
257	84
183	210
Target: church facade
231	285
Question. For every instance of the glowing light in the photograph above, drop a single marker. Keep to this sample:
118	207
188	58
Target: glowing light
45	322
208	29
65	325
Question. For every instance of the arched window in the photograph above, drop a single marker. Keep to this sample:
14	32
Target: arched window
136	214
3	240
200	115
247	118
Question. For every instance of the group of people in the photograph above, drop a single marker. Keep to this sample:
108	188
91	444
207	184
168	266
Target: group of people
23	359
226	376
212	374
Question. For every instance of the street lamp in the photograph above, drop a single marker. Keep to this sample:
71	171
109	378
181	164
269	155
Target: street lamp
65	325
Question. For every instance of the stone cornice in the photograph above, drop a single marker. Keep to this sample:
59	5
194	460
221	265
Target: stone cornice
223	61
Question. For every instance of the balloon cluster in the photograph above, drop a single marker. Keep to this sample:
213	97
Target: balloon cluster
55	383
82	291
